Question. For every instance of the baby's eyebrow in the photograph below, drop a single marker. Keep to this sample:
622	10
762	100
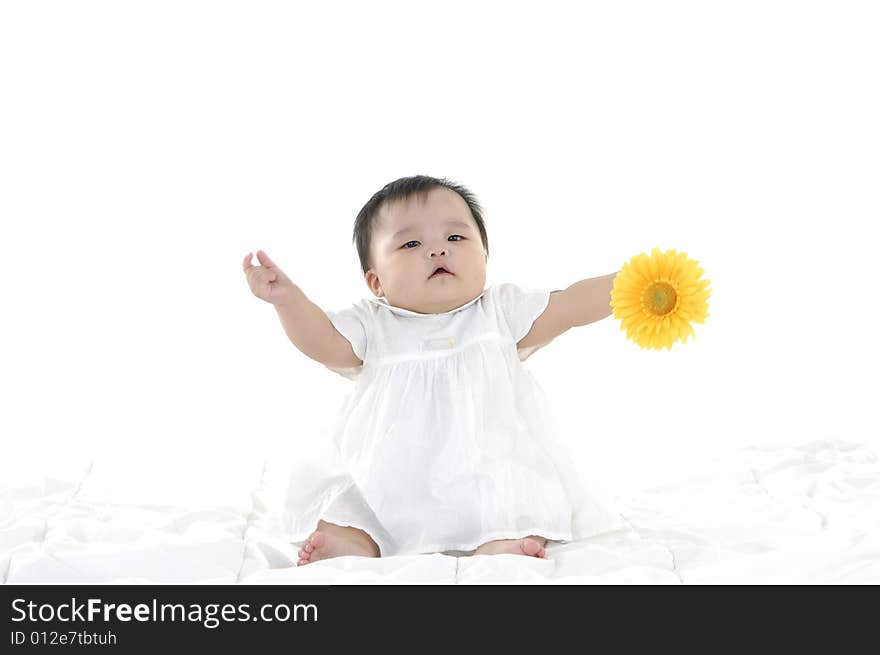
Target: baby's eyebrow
400	233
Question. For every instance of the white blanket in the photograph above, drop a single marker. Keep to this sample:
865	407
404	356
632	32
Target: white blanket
807	514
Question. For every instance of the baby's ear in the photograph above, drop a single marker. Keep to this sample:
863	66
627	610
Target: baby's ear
373	283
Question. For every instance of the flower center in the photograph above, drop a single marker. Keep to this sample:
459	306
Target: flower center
660	299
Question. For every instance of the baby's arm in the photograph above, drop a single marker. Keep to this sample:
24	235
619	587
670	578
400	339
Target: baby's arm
583	302
310	330
306	325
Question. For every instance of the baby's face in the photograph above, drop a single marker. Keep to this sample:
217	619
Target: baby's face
412	238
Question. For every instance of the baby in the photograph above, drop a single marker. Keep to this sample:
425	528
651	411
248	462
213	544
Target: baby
448	441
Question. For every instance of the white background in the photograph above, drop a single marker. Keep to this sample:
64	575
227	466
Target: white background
146	148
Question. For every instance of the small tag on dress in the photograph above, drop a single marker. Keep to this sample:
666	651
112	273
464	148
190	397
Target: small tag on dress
439	344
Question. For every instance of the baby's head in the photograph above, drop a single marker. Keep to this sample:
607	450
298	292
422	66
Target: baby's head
410	227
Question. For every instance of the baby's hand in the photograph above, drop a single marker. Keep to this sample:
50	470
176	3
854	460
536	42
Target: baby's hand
268	282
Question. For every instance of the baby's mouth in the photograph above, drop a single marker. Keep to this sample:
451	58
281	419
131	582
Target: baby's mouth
440	271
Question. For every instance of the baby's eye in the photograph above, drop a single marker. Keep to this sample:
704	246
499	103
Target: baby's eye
450	236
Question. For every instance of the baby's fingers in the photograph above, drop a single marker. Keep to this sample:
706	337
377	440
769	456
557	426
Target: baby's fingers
264	260
247	262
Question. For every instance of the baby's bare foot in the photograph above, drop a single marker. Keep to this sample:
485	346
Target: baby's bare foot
325	544
527	546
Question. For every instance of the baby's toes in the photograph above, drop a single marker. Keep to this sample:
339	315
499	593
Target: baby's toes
313	543
316	540
532	548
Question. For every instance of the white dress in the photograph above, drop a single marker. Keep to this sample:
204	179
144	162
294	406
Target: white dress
446	441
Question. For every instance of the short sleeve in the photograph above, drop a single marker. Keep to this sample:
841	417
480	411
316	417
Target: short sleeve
519	307
352	323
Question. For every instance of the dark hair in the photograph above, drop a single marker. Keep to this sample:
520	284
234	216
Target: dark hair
418	185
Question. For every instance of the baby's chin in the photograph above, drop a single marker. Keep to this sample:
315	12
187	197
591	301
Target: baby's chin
438	302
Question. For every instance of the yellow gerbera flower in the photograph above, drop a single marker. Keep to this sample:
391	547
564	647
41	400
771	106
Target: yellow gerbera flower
657	297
